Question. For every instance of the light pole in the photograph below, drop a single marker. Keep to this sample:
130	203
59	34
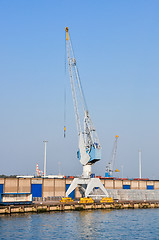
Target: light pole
45	158
122	168
59	168
139	163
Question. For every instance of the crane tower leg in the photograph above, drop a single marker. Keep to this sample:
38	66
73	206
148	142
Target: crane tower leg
87	187
95	183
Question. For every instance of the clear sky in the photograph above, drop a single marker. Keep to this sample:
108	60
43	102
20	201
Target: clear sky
116	44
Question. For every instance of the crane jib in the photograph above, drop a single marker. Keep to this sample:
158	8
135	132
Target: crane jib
89	146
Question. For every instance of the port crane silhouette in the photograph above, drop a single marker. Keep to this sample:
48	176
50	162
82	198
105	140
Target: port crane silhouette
110	165
89	148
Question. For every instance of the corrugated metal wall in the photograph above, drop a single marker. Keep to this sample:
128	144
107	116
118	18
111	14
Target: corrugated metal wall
48	188
57	187
24	185
11	185
60	187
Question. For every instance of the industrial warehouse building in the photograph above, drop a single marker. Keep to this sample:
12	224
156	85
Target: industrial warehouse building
49	187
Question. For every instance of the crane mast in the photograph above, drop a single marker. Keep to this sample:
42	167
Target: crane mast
110	166
89	150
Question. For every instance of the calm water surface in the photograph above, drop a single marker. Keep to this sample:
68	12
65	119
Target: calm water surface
98	224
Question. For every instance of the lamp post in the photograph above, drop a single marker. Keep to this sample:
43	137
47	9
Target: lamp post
139	163
45	142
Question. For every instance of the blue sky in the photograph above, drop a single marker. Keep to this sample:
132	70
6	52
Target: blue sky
117	52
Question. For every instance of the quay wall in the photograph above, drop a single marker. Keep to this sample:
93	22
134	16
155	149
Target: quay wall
49	187
48	207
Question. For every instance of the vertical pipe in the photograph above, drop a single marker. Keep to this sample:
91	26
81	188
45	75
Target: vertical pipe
139	163
59	163
45	161
45	158
122	168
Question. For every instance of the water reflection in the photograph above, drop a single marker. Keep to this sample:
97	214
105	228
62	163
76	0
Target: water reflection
98	224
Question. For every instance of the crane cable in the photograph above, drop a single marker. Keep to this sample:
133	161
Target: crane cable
65	92
83	100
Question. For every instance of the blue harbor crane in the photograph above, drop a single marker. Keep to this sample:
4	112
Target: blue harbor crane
89	148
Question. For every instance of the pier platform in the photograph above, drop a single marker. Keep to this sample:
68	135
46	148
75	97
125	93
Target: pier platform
49	206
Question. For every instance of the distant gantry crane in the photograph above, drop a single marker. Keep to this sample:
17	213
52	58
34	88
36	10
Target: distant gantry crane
110	167
89	148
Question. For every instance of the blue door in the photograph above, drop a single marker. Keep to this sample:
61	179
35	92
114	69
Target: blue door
150	187
72	194
36	190
126	186
1	188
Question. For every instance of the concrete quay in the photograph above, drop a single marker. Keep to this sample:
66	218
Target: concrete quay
40	207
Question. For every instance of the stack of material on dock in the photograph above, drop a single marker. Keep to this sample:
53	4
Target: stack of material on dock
134	195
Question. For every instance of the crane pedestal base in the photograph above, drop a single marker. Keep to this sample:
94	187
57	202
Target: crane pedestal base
88	187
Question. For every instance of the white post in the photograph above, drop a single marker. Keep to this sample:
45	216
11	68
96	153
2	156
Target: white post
59	168
139	163
45	158
122	168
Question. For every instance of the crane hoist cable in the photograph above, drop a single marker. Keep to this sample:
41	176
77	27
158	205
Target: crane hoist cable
65	92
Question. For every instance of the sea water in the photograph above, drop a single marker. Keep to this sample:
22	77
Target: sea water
93	224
